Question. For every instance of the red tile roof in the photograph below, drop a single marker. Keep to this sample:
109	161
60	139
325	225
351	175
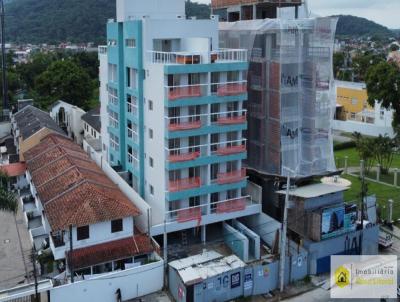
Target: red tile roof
87	203
72	188
110	251
15	169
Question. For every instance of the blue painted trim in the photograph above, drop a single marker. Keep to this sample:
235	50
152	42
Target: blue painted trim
205	130
205	100
199	68
213	188
205	160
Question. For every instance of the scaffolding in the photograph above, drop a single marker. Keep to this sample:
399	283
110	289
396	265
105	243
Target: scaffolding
291	102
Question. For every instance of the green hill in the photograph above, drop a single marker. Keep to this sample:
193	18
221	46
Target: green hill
53	21
351	26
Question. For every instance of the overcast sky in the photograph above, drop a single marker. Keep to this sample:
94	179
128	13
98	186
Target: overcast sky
385	12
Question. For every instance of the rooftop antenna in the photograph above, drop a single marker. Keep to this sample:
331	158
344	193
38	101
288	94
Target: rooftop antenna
3	58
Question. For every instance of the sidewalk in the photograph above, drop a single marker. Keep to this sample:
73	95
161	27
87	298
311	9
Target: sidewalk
15	250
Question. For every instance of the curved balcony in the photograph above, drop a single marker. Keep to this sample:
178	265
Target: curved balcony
184	184
231	177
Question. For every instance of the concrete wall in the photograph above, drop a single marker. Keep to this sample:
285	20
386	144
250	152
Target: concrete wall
254	239
363	128
133	283
238	242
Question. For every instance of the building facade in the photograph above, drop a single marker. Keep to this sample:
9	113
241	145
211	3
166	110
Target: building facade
355	114
176	114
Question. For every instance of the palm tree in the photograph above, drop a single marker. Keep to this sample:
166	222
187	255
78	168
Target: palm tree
8	200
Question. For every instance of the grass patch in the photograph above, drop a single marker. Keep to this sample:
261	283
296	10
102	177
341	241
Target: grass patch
383	194
354	159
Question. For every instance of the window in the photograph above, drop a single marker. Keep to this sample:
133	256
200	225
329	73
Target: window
132	78
116	226
82	232
151	190
130	43
353	115
150	105
151	162
112	73
114	142
354	101
151	133
112	42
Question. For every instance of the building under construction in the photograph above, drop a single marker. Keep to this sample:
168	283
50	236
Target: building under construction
235	10
291	97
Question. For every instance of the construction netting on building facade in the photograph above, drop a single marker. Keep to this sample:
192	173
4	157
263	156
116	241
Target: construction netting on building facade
291	100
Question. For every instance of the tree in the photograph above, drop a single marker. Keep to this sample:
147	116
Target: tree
29	71
364	147
338	62
394	47
383	85
8	200
362	62
384	148
64	80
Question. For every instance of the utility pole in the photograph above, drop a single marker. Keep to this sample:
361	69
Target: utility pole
283	236
35	275
71	249
3	56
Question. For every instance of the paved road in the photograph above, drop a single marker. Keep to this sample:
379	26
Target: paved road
15	249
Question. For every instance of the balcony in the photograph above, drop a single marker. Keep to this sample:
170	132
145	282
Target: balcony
189	214
133	161
182	157
133	135
230	205
231	177
230	89
190	57
58	240
230	148
176	92
132	108
186	153
184	184
232	118
180	126
102	50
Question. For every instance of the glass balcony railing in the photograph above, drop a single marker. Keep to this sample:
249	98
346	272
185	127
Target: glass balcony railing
191	57
231	177
184	184
231	205
184	91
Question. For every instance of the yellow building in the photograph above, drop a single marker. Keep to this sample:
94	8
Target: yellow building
351	102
